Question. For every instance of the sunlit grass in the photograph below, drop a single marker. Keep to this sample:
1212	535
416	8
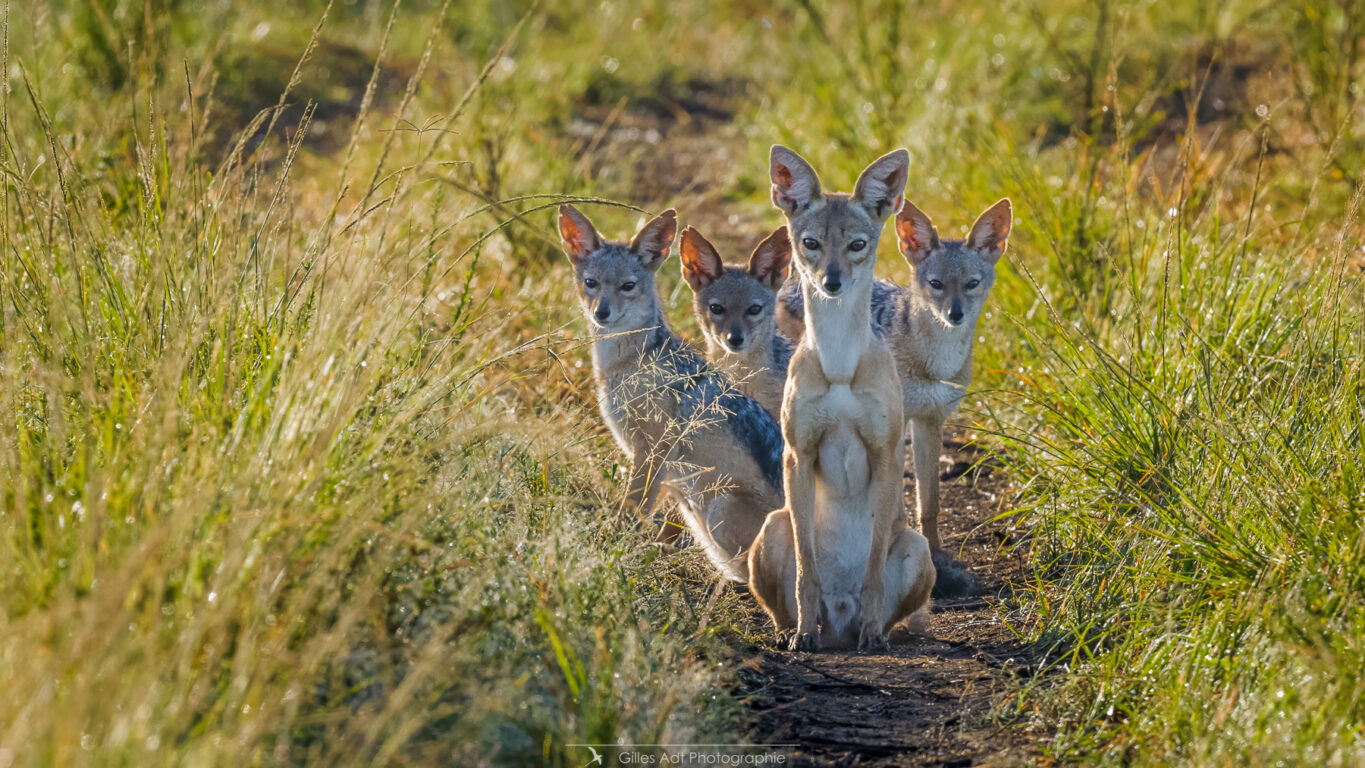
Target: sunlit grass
281	487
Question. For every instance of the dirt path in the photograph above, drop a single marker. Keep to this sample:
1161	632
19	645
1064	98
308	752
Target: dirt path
930	701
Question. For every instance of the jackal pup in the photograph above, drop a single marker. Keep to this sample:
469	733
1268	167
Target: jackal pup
679	420
930	325
736	308
839	562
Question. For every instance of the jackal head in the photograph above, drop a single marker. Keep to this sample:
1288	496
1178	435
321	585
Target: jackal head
735	305
616	281
953	276
834	236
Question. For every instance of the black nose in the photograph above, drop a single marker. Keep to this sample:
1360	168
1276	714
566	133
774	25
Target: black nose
735	339
603	313
955	316
832	282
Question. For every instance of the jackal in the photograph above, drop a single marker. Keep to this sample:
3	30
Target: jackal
930	325
840	556
678	419
736	308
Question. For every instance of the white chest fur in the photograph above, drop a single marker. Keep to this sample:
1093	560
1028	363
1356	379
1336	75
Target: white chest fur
839	329
933	361
942	349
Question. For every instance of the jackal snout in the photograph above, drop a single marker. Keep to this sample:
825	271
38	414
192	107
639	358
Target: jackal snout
735	307
835	236
953	276
616	283
832	256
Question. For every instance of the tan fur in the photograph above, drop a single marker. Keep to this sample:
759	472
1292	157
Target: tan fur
930	325
646	377
840	553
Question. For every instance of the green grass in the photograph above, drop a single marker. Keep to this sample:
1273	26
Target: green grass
302	462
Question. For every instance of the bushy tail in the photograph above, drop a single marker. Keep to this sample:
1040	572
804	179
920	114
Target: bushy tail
953	579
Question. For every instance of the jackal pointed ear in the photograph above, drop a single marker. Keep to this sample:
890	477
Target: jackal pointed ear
578	235
795	184
701	264
991	230
882	183
915	233
770	259
651	243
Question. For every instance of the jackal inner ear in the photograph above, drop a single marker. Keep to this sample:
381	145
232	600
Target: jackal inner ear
795	184
578	235
915	233
991	231
651	243
771	258
882	183
701	265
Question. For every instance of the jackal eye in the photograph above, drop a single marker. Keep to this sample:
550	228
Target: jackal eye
936	284
972	284
589	283
717	309
627	286
810	244
857	245
755	309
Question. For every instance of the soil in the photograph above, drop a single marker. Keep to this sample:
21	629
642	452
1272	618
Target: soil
936	700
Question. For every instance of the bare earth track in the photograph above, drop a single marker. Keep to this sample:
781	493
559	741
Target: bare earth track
930	701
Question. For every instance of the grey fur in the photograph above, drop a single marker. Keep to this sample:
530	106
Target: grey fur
703	392
700	391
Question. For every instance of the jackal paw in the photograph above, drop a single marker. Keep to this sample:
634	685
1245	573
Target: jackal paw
871	638
805	641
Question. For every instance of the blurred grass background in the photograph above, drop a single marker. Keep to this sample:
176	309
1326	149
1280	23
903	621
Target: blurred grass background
303	464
